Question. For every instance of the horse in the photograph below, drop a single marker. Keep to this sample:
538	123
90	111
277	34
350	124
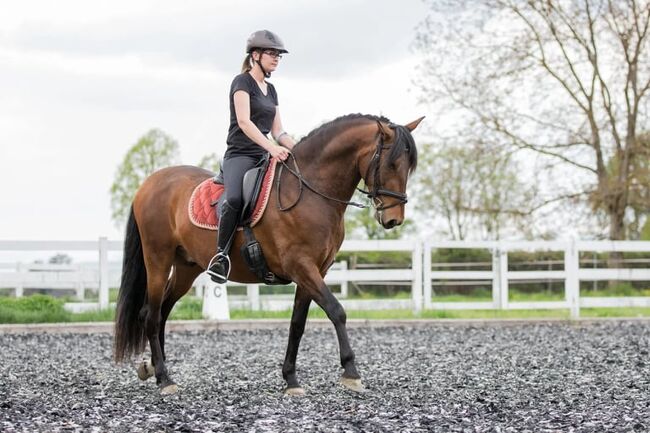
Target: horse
164	252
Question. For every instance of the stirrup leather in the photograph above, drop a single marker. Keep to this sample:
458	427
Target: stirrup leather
214	274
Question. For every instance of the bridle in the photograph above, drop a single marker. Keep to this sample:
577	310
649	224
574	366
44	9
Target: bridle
377	191
374	193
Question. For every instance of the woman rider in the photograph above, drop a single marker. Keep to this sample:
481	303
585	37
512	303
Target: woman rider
254	112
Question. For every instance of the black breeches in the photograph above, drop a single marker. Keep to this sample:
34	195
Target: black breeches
234	169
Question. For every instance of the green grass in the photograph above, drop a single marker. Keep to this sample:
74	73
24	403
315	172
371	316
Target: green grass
46	309
535	297
188	308
32	309
621	290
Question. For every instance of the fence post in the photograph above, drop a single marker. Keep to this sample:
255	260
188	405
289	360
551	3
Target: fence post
103	273
253	294
426	275
500	278
416	267
215	302
572	283
80	284
20	285
344	284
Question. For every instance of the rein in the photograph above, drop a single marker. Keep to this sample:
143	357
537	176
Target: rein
375	162
304	182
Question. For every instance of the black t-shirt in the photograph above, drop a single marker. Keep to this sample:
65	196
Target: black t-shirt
262	113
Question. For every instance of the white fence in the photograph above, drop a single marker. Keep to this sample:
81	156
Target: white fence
571	275
419	275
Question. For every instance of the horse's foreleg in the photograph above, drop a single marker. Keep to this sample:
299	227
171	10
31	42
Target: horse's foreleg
335	312
323	296
298	319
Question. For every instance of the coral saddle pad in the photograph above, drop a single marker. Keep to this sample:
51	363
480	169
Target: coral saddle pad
203	215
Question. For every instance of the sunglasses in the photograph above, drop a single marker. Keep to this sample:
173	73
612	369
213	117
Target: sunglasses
273	53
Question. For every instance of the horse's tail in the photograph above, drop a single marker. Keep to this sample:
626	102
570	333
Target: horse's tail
130	335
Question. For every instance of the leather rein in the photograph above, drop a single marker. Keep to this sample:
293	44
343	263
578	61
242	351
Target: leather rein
373	194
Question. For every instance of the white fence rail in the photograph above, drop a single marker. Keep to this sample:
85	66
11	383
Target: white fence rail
419	275
571	276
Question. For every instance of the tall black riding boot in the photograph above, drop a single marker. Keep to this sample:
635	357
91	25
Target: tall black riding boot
219	267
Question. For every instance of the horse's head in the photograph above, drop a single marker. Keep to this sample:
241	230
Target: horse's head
387	170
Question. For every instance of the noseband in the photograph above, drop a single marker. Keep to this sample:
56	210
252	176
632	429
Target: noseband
377	191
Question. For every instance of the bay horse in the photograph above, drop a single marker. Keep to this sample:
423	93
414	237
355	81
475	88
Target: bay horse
164	252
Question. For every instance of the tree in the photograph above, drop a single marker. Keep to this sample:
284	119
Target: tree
362	224
477	190
60	259
565	80
210	162
153	151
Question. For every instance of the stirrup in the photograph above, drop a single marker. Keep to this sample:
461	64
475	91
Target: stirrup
222	279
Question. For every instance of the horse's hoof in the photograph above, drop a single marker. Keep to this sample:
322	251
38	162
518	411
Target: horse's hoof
169	389
353	384
146	369
294	392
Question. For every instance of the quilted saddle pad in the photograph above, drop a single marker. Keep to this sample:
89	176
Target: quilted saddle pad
203	215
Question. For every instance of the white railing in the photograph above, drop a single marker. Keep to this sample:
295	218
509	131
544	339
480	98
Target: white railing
419	275
25	278
571	275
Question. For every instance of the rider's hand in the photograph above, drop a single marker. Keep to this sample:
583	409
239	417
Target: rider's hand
279	152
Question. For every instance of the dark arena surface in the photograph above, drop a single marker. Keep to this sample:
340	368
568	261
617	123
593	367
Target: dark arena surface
495	377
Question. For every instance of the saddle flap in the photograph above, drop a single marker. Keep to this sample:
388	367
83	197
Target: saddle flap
252	185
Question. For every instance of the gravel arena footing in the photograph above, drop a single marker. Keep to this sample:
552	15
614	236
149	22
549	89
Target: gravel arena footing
537	377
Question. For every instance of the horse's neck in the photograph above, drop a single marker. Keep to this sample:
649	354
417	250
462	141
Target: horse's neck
333	167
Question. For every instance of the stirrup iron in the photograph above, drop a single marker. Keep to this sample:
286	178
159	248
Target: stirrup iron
214	274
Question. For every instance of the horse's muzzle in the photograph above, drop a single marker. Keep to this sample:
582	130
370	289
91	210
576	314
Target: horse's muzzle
388	217
391	223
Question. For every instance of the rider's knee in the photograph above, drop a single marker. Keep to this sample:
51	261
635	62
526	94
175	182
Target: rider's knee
235	203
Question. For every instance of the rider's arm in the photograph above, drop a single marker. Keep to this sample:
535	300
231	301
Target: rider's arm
243	112
278	131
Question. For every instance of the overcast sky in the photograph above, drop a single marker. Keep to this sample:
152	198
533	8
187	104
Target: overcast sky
81	81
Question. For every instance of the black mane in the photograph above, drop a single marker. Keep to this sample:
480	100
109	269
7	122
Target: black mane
403	139
328	129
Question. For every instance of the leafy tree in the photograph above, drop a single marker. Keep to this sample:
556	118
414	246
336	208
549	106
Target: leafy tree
210	162
362	224
566	81
477	191
60	259
153	151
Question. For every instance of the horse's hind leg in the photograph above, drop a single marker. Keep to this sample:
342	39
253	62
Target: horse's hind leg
183	276
298	319
158	267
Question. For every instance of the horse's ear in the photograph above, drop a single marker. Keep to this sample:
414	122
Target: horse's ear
411	126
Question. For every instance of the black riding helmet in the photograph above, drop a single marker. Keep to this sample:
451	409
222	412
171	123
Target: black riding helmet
264	40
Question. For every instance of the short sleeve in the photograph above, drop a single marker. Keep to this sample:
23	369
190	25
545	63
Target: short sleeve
240	83
273	93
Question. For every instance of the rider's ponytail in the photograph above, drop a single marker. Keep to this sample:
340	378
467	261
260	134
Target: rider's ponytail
246	66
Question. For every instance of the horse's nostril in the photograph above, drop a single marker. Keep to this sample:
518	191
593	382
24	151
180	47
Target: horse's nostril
391	223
